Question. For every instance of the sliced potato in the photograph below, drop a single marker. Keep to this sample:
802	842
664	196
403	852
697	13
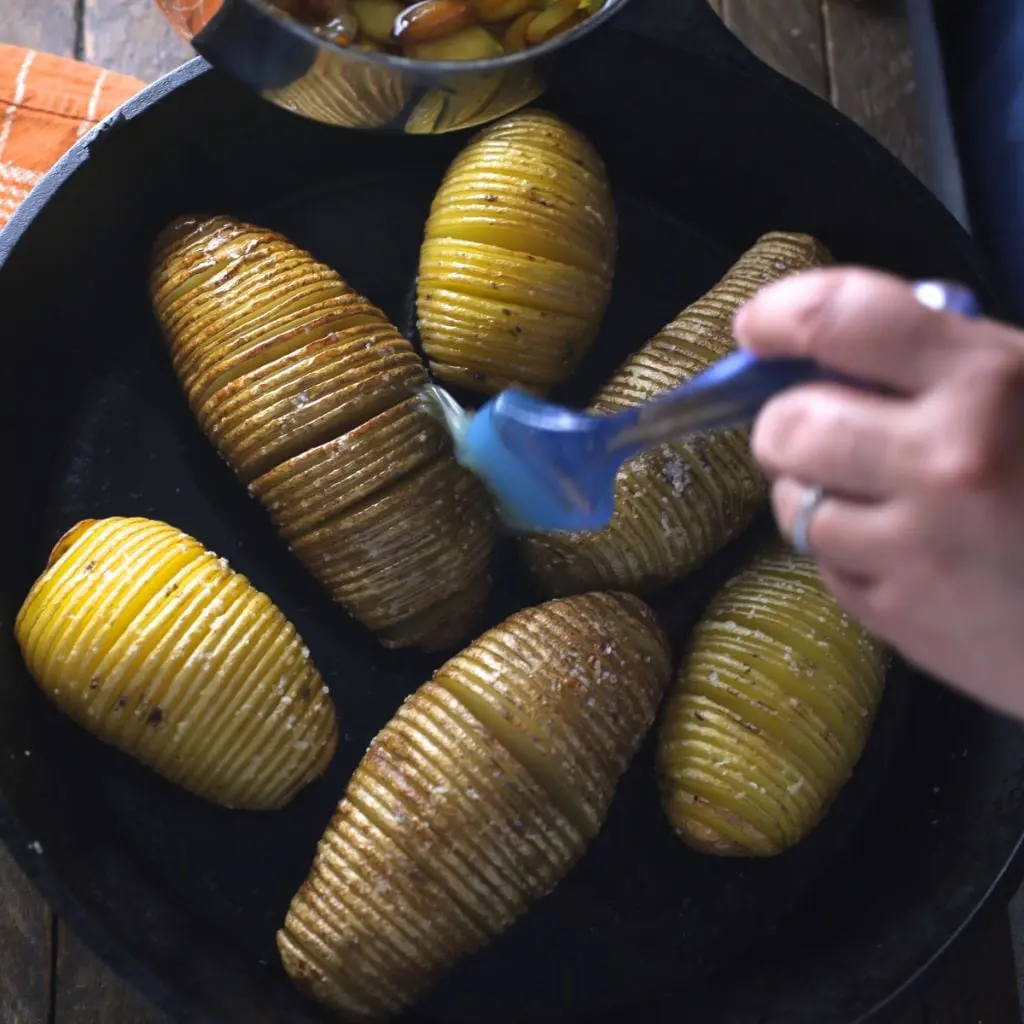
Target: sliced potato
349	94
154	645
309	393
770	713
518	257
678	504
377	18
474	800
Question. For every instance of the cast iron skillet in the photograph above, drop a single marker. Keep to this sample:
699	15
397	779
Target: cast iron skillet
706	149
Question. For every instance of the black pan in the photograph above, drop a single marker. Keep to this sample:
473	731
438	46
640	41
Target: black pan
706	149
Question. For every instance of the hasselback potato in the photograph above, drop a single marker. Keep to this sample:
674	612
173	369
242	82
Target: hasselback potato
774	702
474	800
677	504
156	646
517	261
308	392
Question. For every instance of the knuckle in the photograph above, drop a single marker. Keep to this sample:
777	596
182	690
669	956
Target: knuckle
996	377
885	603
816	320
961	465
844	307
851	595
795	430
979	416
844	293
975	430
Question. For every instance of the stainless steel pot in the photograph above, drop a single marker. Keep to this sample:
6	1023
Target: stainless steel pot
286	63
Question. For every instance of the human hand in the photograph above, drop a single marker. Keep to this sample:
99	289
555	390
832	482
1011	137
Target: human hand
920	535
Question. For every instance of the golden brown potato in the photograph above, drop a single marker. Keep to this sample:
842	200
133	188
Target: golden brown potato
154	645
474	800
773	705
308	392
517	261
678	504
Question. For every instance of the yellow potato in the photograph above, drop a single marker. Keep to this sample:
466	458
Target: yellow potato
678	504
774	702
471	43
474	801
309	393
154	645
377	18
517	260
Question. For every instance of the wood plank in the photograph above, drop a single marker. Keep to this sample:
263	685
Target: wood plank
979	986
88	992
787	35
871	68
25	927
41	24
131	36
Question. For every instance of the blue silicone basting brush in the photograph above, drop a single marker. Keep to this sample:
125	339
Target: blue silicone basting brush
552	469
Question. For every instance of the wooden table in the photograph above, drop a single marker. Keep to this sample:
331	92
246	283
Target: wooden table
852	52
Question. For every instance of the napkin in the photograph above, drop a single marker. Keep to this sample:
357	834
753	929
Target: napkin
46	104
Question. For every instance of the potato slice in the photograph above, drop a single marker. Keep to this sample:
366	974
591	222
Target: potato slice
773	705
678	504
347	94
310	395
518	257
389	570
154	645
474	801
322	482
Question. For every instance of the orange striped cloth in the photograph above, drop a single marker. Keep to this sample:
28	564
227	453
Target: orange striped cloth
46	104
189	16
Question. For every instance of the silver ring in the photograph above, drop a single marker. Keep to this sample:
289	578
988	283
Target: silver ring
812	499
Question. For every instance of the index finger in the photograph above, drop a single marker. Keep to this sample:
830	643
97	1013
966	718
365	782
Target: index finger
862	323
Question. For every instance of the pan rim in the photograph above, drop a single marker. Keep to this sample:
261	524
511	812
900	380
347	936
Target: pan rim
105	939
428	68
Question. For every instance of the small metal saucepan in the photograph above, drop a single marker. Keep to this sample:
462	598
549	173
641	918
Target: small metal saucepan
287	63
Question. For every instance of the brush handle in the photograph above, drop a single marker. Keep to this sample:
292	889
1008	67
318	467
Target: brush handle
730	393
733	391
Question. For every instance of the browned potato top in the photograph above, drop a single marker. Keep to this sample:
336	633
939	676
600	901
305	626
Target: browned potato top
310	394
677	504
474	800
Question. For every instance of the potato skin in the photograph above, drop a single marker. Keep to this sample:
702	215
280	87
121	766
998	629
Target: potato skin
676	505
518	256
154	645
770	712
309	393
474	800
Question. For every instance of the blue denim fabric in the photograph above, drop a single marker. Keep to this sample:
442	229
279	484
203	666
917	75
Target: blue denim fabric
990	109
